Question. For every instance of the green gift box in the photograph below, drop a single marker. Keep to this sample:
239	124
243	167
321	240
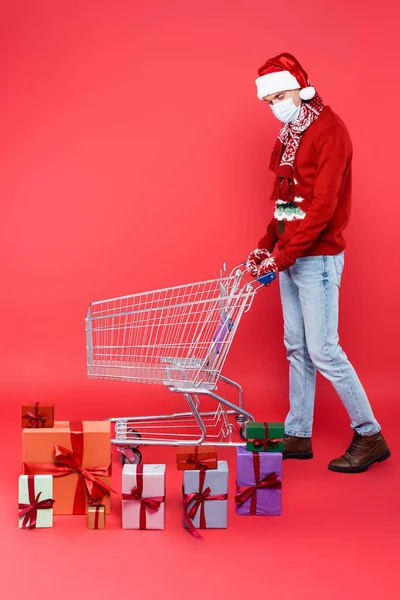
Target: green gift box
265	437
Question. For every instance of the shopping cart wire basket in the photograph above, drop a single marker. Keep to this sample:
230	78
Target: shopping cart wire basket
178	337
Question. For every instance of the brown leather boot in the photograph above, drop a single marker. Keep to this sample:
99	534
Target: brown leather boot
363	451
297	447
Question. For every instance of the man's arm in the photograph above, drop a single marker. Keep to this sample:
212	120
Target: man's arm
333	153
270	238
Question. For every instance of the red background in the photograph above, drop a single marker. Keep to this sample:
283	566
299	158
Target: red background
134	156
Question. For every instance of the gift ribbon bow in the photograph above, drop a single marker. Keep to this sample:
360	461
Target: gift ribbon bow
258	442
202	465
152	504
198	499
35	420
29	511
97	506
245	492
70	461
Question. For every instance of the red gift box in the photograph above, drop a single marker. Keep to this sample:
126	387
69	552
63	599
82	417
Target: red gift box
36	415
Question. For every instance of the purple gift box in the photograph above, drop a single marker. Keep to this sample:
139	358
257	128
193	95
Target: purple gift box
259	481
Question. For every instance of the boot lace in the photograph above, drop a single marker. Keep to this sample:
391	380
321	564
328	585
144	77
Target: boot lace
355	445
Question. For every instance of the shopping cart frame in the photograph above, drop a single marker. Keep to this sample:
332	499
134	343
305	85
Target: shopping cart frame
213	427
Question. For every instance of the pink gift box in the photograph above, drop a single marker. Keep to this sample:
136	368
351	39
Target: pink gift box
143	496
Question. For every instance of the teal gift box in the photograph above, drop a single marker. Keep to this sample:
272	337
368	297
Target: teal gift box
265	437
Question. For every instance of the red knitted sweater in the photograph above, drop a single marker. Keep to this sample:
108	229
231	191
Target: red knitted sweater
322	172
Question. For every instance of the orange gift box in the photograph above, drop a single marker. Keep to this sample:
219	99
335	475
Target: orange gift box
192	458
96	516
78	455
37	415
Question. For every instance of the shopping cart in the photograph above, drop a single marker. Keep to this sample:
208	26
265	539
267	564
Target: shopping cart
178	337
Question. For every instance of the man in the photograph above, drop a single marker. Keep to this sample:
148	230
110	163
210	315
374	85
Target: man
312	195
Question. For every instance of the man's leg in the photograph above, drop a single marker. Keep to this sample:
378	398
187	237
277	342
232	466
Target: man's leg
318	280
302	373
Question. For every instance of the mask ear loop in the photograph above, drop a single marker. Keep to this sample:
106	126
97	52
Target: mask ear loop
293	100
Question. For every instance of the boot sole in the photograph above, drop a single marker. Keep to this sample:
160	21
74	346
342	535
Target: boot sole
299	455
380	458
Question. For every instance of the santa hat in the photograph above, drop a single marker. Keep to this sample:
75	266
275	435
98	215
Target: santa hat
281	73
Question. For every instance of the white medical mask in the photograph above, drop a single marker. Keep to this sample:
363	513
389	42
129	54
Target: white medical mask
286	110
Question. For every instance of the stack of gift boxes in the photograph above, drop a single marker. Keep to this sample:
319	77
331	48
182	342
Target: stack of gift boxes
259	471
205	488
67	470
66	466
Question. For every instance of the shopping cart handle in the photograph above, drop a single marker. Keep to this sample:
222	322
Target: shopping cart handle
264	279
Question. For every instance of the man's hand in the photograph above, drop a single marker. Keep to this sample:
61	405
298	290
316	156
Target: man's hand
260	262
268	266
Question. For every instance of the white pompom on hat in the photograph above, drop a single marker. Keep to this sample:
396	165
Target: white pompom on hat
308	92
282	73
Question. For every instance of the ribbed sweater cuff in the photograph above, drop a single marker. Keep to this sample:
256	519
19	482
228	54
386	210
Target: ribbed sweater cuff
283	261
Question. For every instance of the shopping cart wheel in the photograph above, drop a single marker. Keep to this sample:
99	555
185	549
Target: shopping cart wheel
130	456
243	433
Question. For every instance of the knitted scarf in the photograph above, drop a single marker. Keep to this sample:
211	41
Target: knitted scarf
284	152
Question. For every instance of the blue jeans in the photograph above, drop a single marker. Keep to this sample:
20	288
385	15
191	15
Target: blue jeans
310	302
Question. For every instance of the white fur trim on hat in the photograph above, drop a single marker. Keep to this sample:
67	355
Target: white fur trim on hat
271	83
307	93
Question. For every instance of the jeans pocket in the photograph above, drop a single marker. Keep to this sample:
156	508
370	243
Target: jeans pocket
338	261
